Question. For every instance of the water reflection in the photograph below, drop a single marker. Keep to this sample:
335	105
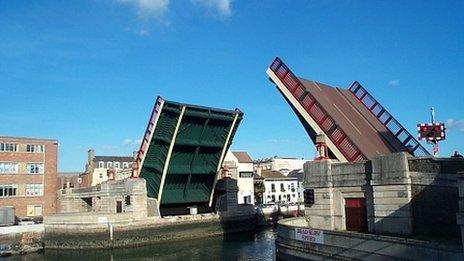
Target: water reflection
245	246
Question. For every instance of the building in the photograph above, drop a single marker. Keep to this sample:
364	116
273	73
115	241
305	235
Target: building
98	166
70	180
28	168
298	174
278	188
240	166
281	164
391	194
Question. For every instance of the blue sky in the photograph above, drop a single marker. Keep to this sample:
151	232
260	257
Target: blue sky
87	72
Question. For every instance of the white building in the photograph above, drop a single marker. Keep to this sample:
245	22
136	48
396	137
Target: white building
278	188
281	164
240	167
298	174
98	166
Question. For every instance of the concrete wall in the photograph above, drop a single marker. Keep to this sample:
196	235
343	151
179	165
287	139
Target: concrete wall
342	245
103	198
404	195
333	183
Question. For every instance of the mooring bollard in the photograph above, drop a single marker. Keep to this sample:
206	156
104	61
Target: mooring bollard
110	228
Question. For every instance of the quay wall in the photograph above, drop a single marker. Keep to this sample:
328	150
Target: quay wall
344	245
85	233
403	194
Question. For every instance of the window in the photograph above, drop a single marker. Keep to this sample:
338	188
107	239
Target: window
101	164
245	174
125	165
34	189
8	190
109	164
282	187
101	175
8	167
35	148
116	165
35	168
34	210
9	147
273	187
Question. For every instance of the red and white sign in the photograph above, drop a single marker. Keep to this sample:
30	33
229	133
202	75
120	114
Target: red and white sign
309	235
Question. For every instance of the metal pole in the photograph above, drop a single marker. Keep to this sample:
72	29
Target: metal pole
432	114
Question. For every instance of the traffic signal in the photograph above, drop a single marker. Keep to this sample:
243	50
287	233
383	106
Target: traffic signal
431	131
308	197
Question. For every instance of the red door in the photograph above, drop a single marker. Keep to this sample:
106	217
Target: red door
356	214
118	206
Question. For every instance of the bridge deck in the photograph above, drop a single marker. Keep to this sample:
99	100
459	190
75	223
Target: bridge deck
182	150
357	126
371	137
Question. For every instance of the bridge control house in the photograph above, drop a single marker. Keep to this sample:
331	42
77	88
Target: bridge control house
375	177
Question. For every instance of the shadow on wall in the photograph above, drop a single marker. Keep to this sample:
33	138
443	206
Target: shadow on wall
431	212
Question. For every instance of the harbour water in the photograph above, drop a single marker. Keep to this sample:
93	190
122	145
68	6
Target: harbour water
243	246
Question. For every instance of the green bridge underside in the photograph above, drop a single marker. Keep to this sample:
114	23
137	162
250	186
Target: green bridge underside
196	154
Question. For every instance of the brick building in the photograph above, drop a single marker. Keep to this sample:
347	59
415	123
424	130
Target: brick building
70	180
98	166
28	172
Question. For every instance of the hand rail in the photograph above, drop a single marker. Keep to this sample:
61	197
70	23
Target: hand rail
386	119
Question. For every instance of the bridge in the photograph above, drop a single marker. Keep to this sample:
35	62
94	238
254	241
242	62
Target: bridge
182	151
358	127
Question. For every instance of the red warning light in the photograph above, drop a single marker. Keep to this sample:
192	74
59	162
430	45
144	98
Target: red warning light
431	131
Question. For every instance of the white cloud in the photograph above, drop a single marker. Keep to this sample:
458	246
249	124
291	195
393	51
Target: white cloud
131	142
127	142
148	8
453	124
108	147
223	7
144	32
394	82
278	141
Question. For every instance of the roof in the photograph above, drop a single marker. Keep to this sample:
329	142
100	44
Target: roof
242	157
27	138
296	173
68	174
113	158
272	174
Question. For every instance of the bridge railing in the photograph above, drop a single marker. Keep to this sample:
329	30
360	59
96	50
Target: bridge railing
349	150
408	141
146	137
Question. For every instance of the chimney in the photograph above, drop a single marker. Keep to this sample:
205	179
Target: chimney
90	156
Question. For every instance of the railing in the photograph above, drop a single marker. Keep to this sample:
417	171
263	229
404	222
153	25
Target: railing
408	141
349	150
146	137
